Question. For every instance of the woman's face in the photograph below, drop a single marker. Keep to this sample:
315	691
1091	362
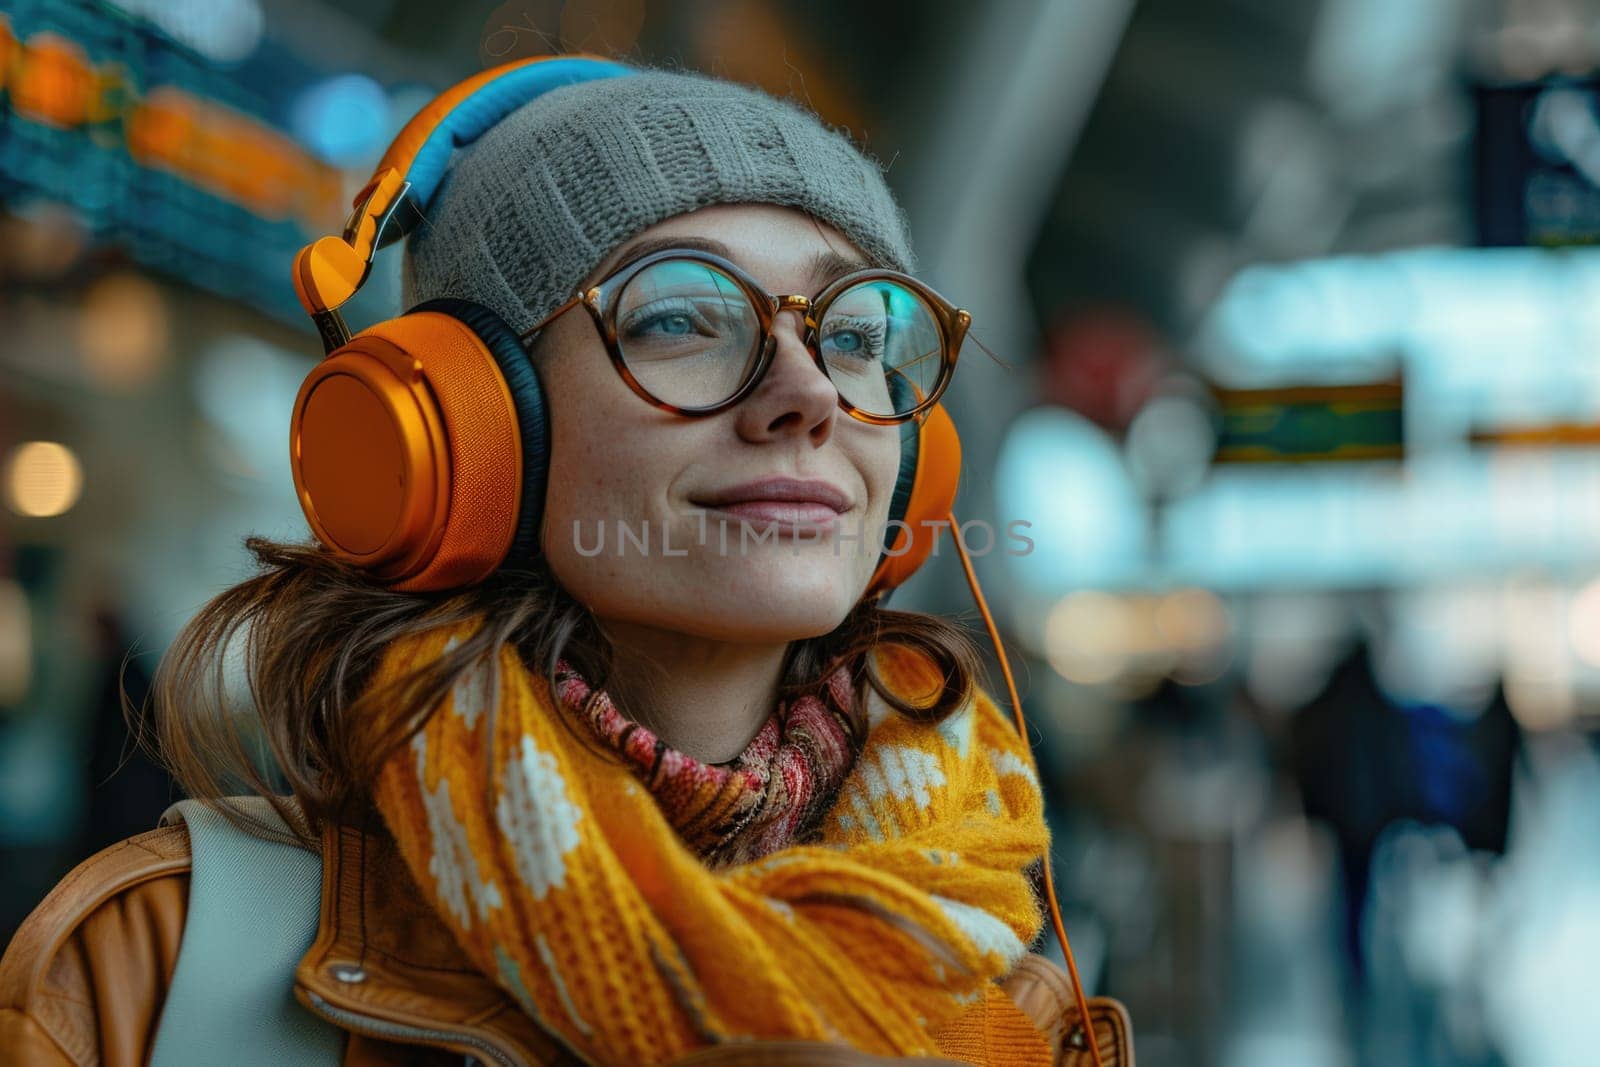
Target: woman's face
716	561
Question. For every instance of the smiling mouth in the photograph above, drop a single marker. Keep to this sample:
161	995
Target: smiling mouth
783	514
784	504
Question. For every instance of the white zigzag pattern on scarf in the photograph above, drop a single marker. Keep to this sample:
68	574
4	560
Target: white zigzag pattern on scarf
878	709
453	866
987	933
956	729
1010	763
538	818
904	773
893	772
470	696
561	985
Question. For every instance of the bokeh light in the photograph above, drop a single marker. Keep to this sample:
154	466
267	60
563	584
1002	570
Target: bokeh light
42	479
16	643
1583	625
1088	637
345	119
124	331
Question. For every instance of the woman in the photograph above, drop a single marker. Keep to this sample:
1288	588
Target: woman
668	776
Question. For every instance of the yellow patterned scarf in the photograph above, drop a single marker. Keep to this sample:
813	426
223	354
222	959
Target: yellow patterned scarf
563	880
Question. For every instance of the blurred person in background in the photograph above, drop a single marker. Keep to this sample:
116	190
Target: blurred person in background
602	806
128	789
1366	759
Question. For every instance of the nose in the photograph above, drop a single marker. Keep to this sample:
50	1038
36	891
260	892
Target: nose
795	396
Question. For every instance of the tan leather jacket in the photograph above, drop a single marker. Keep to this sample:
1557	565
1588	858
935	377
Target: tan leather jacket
84	979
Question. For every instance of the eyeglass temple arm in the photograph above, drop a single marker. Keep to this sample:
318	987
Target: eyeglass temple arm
548	319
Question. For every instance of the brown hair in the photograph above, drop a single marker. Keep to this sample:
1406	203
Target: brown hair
314	628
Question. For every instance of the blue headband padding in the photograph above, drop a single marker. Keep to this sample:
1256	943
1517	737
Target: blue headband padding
472	117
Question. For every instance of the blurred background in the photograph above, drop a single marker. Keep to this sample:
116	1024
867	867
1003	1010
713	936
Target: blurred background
1300	403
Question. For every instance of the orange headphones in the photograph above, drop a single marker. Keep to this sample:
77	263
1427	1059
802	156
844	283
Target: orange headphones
420	445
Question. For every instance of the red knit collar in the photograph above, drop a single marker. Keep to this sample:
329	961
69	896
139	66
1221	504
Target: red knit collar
769	796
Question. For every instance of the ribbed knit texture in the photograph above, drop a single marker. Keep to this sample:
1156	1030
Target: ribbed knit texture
773	792
564	881
537	203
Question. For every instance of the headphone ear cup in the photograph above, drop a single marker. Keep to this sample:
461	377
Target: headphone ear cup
407	452
533	423
930	469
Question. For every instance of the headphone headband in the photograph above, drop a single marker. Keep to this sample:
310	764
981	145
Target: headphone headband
331	269
421	151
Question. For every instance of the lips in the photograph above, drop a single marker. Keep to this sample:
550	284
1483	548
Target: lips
780	500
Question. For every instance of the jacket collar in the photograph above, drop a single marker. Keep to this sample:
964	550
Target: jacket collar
384	965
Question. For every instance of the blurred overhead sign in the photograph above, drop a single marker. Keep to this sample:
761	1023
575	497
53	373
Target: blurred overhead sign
1555	435
156	149
1311	424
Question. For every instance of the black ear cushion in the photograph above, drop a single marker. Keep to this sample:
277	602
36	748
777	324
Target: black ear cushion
532	412
910	444
910	439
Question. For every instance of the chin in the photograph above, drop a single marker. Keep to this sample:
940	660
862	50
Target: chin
775	596
791	601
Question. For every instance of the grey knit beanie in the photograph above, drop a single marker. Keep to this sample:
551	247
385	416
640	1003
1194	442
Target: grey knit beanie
533	206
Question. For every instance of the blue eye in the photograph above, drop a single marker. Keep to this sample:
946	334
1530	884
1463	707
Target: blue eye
665	322
854	336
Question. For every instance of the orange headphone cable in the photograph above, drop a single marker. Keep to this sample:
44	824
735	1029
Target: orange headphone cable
1022	728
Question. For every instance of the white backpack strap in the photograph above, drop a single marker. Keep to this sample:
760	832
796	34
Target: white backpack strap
254	902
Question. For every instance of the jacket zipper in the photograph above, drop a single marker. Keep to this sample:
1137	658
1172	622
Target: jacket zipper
381	1028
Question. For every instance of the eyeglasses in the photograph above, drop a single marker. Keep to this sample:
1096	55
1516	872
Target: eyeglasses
692	333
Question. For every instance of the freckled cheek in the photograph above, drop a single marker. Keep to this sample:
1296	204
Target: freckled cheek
607	472
586	469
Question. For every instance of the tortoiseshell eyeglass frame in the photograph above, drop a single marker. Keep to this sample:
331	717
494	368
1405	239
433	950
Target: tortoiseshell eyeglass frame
601	301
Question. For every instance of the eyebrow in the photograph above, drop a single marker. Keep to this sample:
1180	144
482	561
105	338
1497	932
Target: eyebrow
822	268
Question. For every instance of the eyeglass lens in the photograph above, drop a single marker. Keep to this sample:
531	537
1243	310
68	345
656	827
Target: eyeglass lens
690	336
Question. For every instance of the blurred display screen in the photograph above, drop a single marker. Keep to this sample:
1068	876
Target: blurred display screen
1538	163
1325	423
